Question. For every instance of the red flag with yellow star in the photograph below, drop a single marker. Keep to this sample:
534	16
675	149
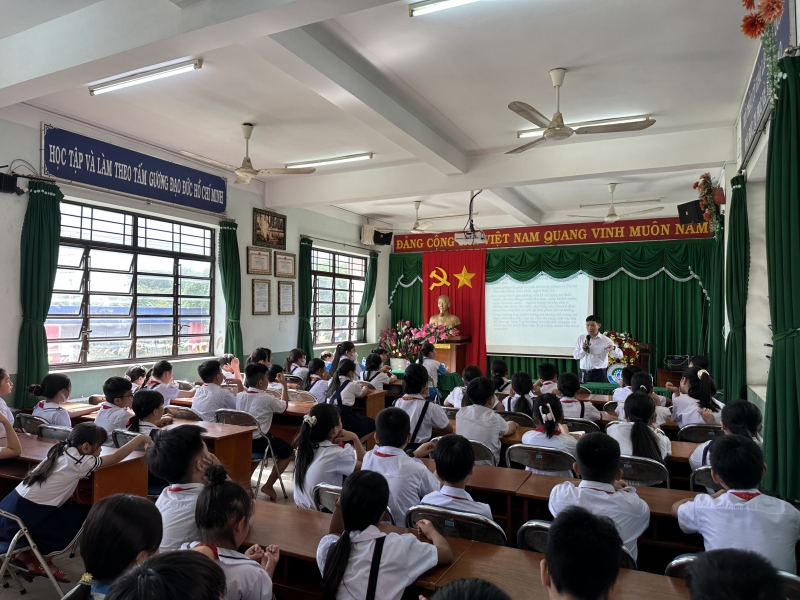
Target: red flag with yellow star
461	276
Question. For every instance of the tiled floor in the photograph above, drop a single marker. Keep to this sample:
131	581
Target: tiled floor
42	589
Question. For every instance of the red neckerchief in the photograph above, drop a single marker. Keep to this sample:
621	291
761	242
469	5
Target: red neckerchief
568	401
177	488
106	407
409	398
41	404
541	430
316	378
252	392
382	455
213	549
746	496
453	497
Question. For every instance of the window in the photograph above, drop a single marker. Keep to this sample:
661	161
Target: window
338	284
128	288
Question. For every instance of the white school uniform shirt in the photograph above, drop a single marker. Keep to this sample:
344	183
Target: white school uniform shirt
261	405
745	519
146	428
408	478
432	367
505	388
621	393
52	413
331	464
662	413
434	416
176	503
511	401
319	388
549	387
453	498
209	398
484	425
348	394
621	431
403	560
298	371
560	441
630	513
71	467
456	397
112	417
379	381
134	387
244	577
572	409
227	374
597	357
6	411
686	410
167	390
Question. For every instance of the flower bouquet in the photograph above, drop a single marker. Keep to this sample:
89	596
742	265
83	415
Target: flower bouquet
433	334
706	191
405	341
629	346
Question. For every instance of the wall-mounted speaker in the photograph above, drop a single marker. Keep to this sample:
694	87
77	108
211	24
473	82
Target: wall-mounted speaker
690	212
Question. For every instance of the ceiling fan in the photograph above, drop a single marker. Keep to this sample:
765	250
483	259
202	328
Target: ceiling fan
246	172
612	216
555	129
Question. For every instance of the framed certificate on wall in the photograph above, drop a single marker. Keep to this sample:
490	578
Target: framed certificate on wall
259	261
285	264
262	297
286	297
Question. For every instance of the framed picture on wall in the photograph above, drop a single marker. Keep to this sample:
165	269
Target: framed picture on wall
262	297
269	229
286	297
285	264
259	261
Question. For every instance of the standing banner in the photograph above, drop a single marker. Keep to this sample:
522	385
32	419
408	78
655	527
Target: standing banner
461	276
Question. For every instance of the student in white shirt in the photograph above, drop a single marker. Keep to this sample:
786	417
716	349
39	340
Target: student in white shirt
739	417
295	364
548	379
427	358
261	355
568	386
521	398
602	490
41	500
478	422
638	435
6	385
455	398
135	374
550	431
499	371
455	459
319	457
345	350
115	411
624	390
408	478
224	510
592	351
733	575
345	556
342	392
739	516
113	540
210	396
159	378
256	401
374	373
317	382
148	414
231	371
179	456
55	388
424	414
327	358
642	382
696	402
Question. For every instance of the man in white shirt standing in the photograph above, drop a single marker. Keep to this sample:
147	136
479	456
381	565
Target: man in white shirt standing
592	352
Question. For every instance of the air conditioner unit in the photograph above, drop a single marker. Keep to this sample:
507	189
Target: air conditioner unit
470	238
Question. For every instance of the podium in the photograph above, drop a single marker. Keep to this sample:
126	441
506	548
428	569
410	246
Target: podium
453	352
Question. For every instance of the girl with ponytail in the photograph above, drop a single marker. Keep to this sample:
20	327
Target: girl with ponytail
550	430
55	389
148	413
427	358
375	374
642	383
223	512
500	376
295	364
342	392
171	575
260	355
345	556
41	499
521	400
696	402
739	417
318	457
317	383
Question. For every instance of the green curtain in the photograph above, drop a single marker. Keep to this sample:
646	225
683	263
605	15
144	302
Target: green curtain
41	232
305	340
530	364
369	285
737	276
782	422
231	276
405	288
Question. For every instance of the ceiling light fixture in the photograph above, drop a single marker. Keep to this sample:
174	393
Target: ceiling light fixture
144	77
330	161
527	133
428	6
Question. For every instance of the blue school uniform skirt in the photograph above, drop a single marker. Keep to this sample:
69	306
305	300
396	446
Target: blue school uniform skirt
359	424
281	449
53	528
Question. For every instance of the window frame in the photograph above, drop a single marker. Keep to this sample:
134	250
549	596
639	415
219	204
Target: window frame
135	250
361	322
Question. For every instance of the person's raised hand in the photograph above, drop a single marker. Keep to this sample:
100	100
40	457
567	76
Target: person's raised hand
426	528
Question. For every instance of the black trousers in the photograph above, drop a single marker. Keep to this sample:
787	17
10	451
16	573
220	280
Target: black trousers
594	376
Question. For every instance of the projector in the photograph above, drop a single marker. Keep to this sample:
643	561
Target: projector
470	238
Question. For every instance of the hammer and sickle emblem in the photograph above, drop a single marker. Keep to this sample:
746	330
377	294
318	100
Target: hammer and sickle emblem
440	275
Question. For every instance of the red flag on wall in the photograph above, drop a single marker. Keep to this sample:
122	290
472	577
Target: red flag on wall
460	275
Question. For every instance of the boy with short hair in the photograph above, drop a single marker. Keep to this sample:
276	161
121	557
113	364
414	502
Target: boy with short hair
733	575
210	396
409	479
477	421
602	490
114	413
548	379
739	516
454	458
180	457
577	537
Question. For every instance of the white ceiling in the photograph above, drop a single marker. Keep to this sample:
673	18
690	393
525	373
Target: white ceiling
20	15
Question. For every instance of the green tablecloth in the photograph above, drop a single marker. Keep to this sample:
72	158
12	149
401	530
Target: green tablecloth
608	388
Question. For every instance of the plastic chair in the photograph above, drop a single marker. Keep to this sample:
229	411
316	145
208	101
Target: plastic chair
677	568
791	584
182	412
585	425
29	423
482	452
699	432
275	394
638	469
453	523
120	437
610	407
54	432
245	419
540	458
701	479
186	386
293	379
450	411
302	396
325	496
519	418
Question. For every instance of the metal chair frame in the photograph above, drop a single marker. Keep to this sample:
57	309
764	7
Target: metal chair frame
302	396
326	494
293	379
530	456
792	585
701	478
54	432
451	411
183	412
126	435
585	425
659	470
482	452
519	418
610	406
453	523
29	423
699	432
677	568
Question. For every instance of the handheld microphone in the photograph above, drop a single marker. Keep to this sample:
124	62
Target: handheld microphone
588	340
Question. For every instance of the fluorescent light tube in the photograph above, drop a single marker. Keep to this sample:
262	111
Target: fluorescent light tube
526	133
144	77
428	6
330	161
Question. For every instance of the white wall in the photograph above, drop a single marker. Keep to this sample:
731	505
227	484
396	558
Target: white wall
758	320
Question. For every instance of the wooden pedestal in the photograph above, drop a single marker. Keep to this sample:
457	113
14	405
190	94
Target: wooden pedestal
453	353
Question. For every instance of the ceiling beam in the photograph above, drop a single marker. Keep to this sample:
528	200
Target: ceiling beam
513	203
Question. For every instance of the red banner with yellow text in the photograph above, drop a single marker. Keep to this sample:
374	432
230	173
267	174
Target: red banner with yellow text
554	235
461	277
